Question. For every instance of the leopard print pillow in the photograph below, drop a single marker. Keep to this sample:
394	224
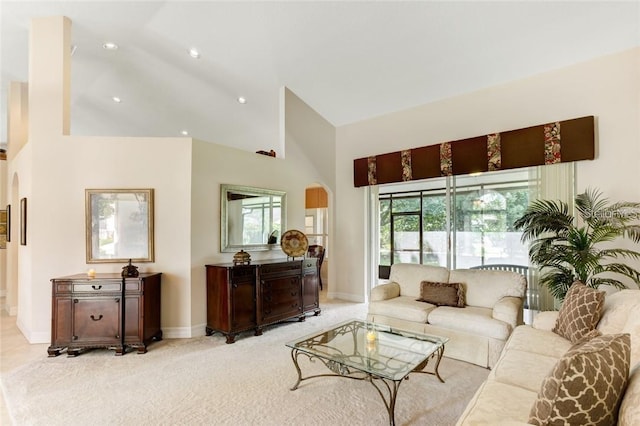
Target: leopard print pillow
580	312
586	385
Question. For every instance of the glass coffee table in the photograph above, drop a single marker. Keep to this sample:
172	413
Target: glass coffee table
379	354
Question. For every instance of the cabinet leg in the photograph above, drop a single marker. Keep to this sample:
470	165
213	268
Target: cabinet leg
208	331
258	332
302	318
231	338
119	350
316	312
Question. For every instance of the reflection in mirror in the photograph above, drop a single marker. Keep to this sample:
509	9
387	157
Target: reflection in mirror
251	218
119	225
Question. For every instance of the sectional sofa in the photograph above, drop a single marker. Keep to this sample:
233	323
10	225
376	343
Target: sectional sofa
488	307
539	366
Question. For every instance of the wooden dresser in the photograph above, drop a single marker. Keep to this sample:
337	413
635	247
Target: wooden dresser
250	297
107	311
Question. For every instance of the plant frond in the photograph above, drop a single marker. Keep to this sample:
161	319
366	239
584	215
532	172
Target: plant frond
544	216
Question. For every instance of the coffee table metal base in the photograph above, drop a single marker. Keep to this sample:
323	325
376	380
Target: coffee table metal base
387	388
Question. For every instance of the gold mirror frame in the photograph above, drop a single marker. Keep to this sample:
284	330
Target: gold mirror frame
119	225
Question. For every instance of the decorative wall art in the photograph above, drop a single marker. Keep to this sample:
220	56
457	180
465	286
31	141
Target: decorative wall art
119	225
3	229
23	222
8	222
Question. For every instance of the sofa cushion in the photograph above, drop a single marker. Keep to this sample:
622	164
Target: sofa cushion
498	403
543	342
410	275
471	319
580	312
629	414
402	307
485	288
620	315
442	294
586	385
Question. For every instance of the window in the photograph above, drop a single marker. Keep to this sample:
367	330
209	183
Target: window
455	222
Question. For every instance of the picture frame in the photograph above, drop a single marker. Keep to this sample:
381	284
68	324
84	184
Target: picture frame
8	222
3	229
119	225
23	221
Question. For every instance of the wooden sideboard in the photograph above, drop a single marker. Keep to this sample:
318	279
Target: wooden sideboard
250	297
107	311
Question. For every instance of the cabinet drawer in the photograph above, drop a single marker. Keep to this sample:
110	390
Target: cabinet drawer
290	268
98	286
243	274
310	264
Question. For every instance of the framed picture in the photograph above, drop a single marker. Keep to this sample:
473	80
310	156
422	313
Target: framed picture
119	225
3	229
23	221
8	222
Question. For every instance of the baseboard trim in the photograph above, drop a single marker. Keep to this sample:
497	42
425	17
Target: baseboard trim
345	296
33	337
184	332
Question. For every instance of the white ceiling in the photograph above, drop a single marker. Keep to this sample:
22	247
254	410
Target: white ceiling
348	60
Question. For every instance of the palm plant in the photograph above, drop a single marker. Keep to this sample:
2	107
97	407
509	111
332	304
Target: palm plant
566	252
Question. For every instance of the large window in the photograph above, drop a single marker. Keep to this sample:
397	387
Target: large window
456	222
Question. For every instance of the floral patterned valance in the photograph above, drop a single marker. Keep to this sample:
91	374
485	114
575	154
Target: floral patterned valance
558	142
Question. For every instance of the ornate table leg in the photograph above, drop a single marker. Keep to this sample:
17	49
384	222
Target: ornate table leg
392	387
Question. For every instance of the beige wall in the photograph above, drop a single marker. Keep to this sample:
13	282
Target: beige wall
608	88
54	169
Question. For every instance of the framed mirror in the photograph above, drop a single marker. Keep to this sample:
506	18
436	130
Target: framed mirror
119	225
251	219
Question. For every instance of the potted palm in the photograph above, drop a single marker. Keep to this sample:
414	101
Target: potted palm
566	251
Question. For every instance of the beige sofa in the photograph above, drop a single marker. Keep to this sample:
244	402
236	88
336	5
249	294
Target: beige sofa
511	389
477	332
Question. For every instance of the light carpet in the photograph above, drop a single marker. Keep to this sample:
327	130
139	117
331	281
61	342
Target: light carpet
204	381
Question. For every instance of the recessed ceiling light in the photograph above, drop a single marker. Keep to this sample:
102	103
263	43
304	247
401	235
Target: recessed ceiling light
184	133
116	99
193	52
110	46
242	100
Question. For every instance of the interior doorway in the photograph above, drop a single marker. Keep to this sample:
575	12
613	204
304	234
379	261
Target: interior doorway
317	225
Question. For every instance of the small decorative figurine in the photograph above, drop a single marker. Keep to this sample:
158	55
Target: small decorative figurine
241	258
130	270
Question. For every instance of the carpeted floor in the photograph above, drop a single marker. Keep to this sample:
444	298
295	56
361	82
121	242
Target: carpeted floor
203	381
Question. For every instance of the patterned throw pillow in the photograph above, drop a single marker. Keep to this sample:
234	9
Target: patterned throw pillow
442	294
580	312
586	385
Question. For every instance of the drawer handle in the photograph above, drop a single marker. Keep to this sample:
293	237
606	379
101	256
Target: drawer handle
96	287
96	319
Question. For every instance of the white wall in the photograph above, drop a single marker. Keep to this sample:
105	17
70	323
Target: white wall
608	88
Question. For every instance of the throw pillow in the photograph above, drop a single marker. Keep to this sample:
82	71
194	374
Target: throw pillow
586	385
580	312
442	294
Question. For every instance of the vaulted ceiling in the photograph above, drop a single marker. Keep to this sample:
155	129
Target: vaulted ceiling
347	60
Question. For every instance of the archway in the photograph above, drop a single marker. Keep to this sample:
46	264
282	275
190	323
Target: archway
316	222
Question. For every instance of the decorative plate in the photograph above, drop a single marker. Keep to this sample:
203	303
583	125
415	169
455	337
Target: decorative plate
294	243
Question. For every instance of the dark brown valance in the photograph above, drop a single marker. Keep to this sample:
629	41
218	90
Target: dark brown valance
559	142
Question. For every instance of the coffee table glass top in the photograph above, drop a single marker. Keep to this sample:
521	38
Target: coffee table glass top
377	349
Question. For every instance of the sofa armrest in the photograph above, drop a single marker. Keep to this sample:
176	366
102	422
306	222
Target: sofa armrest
509	310
385	291
545	320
